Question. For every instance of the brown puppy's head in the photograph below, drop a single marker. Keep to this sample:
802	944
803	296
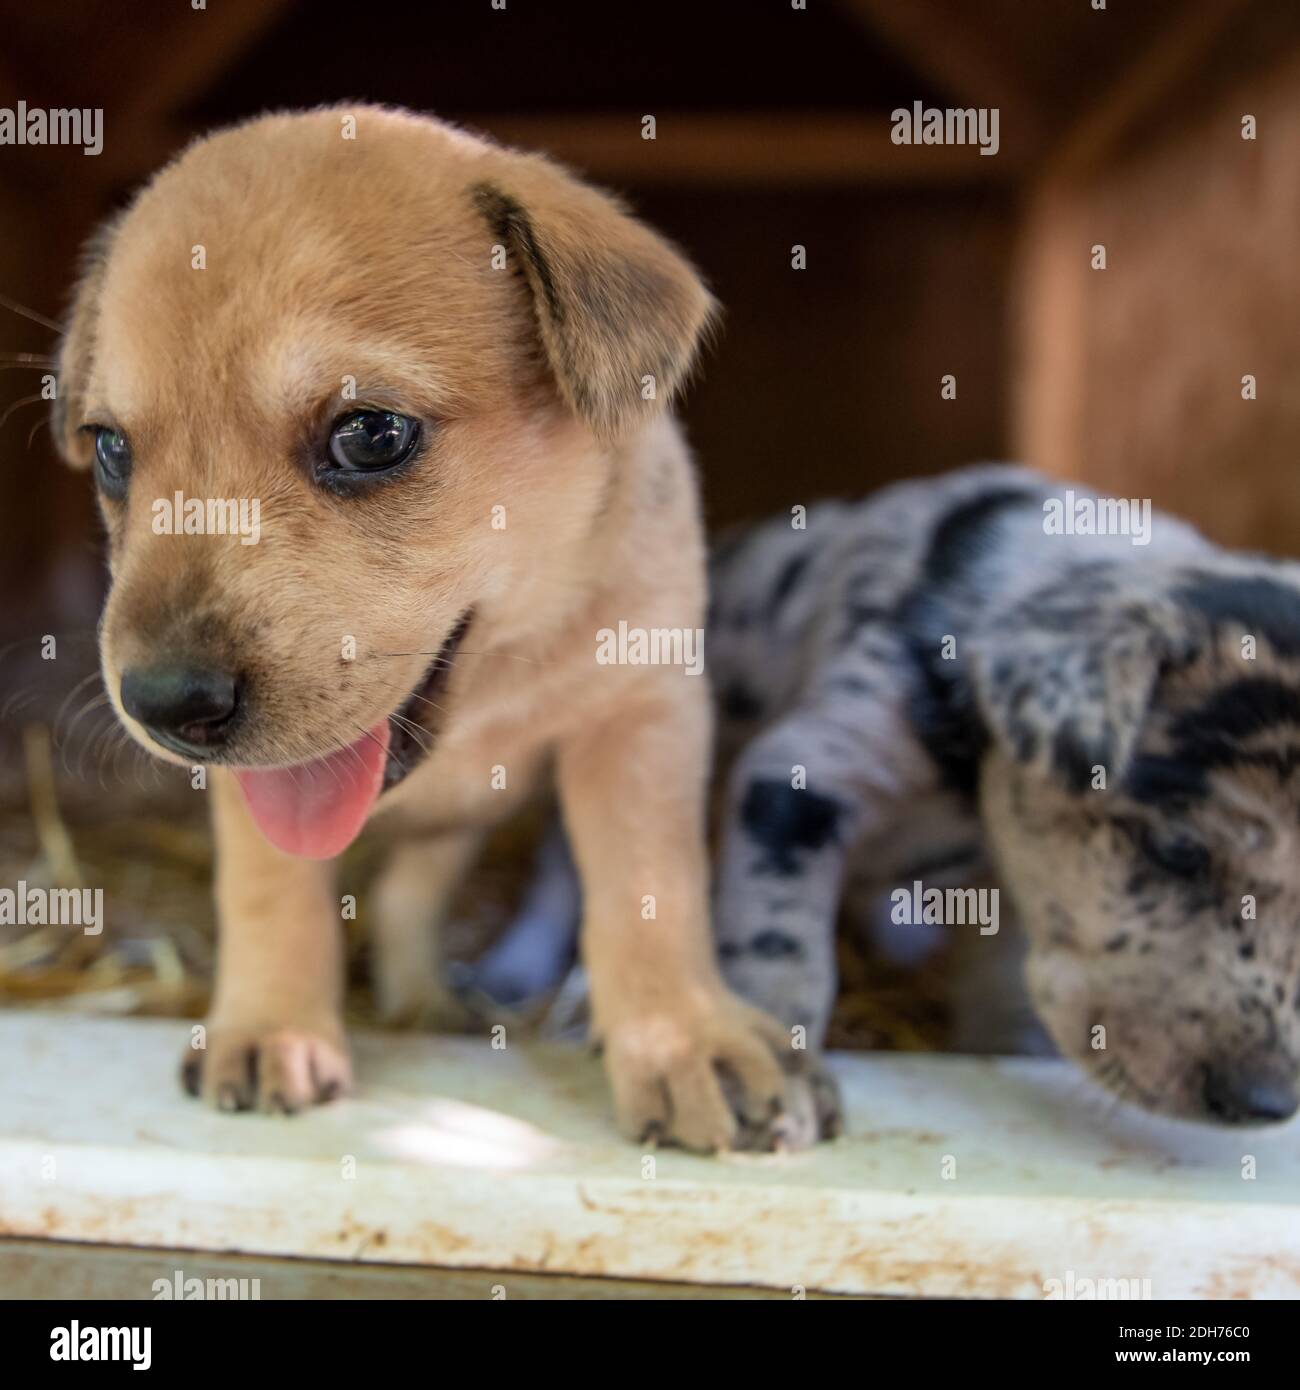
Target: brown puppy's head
351	382
1143	800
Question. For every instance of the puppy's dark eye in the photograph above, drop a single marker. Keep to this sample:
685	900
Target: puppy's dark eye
112	460
1176	852
369	441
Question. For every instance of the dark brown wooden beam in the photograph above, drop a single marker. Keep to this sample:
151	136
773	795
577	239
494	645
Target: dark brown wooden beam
752	150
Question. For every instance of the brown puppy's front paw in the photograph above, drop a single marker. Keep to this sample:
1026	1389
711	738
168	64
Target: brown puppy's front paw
708	1077
269	1069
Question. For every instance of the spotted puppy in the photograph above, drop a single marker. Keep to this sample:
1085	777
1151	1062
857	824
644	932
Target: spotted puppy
959	666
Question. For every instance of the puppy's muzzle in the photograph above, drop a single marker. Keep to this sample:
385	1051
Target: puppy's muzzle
1252	1092
187	709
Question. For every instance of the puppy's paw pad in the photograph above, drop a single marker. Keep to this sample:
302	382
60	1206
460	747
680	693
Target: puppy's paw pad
276	1071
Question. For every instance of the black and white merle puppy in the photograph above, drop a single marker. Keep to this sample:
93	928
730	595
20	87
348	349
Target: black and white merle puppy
950	668
948	678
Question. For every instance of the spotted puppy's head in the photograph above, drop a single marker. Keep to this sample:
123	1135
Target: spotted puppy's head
352	384
1143	799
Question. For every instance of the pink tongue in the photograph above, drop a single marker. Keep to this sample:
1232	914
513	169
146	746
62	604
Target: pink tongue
317	809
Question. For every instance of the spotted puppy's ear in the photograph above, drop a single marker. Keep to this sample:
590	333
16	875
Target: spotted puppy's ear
619	311
77	349
1065	684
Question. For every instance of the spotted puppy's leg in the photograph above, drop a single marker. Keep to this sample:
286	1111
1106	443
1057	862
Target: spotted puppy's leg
799	798
790	817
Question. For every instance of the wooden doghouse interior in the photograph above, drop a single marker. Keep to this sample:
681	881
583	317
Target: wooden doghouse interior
1120	126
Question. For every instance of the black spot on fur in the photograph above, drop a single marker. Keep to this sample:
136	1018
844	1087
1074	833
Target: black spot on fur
783	820
1243	708
1118	941
1261	606
789	576
1073	757
776	945
941	702
739	702
1162	781
968	533
942	706
1211	735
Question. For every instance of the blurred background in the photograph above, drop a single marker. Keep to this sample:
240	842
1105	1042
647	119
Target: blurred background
1121	126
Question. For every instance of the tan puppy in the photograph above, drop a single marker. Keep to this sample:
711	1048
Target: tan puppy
439	369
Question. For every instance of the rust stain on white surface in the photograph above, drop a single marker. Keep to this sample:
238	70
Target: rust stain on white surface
453	1154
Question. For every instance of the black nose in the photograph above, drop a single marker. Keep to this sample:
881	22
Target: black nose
1245	1093
186	708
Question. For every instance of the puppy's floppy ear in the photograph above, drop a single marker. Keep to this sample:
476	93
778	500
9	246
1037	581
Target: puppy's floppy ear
619	311
1065	684
76	351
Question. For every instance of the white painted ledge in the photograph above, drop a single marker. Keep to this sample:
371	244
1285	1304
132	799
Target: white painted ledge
469	1158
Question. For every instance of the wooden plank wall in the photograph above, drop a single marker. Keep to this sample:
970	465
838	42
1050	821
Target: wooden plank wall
1131	377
